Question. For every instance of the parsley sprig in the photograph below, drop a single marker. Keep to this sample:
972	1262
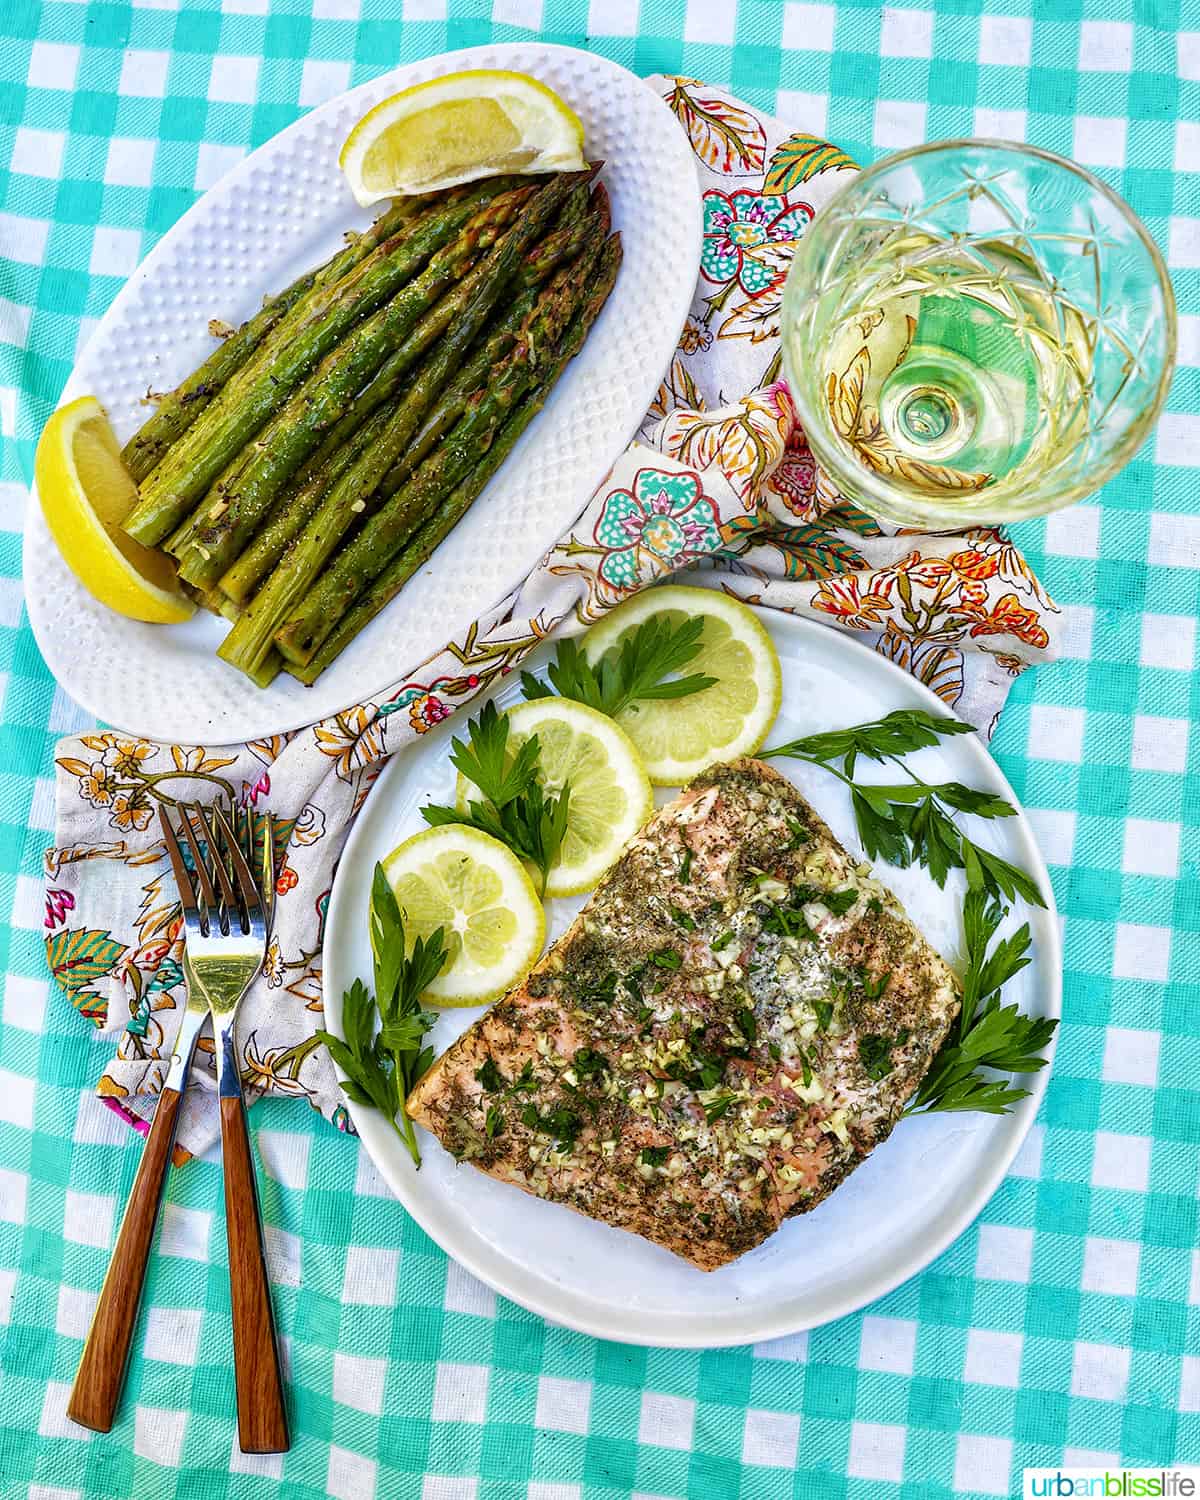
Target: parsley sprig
917	822
913	821
985	1034
383	1052
639	668
515	808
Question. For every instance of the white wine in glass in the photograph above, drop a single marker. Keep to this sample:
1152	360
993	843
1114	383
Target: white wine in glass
975	332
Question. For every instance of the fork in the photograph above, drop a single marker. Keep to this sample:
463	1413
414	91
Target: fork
226	941
226	924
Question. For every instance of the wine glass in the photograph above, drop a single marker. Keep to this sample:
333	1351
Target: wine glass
975	332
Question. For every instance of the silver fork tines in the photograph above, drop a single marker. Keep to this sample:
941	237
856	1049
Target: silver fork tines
224	911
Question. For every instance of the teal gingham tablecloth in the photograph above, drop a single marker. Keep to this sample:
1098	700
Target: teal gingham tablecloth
1064	1327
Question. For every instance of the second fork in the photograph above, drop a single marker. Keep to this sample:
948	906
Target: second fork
225	915
226	921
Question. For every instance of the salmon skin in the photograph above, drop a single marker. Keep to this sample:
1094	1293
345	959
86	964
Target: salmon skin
729	1027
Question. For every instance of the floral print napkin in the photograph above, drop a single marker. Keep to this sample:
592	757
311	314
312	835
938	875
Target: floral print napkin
721	481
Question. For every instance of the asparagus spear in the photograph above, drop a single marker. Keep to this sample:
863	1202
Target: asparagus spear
304	336
450	511
292	512
178	409
180	539
291	509
372	548
237	504
347	500
586	239
267	461
178	543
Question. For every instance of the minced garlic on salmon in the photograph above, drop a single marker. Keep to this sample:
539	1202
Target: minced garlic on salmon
728	1028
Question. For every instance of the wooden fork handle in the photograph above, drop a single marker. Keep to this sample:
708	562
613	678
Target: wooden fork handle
262	1413
106	1351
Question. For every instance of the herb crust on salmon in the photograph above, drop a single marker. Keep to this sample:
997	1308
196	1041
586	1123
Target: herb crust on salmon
728	1028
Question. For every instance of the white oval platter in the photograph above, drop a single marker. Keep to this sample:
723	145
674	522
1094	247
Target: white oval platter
286	208
892	1216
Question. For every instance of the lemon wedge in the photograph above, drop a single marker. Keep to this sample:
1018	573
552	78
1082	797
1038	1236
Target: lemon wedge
86	492
474	889
610	795
679	737
452	130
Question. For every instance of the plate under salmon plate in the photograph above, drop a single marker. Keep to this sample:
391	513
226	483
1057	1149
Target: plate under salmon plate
900	1209
279	212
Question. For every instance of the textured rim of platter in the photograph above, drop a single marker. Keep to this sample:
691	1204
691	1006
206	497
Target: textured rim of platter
277	213
781	1304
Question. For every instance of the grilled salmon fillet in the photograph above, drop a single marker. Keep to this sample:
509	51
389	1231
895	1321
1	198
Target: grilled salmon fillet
728	1028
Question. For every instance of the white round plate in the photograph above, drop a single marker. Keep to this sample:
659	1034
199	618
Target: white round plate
902	1207
286	208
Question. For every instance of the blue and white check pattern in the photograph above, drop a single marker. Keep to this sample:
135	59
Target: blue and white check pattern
1065	1326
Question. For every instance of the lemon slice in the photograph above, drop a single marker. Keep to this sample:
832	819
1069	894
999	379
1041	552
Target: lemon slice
610	795
679	737
86	492
474	889
455	129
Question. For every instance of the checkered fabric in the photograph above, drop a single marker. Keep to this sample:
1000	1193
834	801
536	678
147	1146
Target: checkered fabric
1057	1329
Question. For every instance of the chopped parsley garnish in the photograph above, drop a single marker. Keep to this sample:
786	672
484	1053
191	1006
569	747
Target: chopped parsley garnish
702	1069
874	906
681	919
525	1082
805	1067
838	902
786	921
489	1076
717	1107
588	1063
873	988
666	958
875	1054
561	1123
747	1024
644	1015
719	944
710	1068
823	1010
685	866
798	832
655	1156
494	1124
775	1050
603	991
